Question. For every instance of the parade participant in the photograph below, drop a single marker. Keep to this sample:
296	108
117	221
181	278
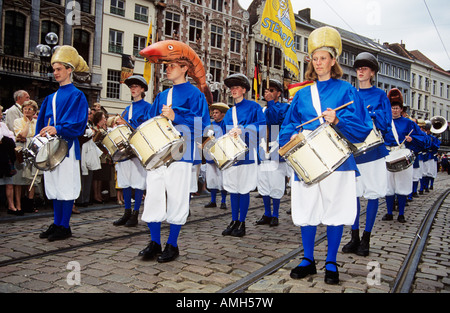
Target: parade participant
372	182
273	170
244	120
214	179
130	173
430	160
64	113
330	201
407	131
24	128
418	168
168	187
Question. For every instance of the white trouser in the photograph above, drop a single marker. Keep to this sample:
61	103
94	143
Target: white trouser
372	183
272	178
400	182
332	201
64	182
240	179
131	173
214	177
168	192
418	172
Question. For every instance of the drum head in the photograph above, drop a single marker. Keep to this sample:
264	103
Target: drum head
51	154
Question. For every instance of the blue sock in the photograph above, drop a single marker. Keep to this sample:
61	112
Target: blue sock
223	193
173	235
57	212
155	232
267	208
244	202
138	194
276	207
127	197
422	182
431	182
390	204
213	195
234	197
371	214
308	237
415	185
358	212
401	204
67	206
426	181
334	236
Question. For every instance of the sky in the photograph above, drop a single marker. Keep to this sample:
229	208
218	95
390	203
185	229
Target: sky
393	21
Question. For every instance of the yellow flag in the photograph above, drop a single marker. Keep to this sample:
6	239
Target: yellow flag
148	65
278	27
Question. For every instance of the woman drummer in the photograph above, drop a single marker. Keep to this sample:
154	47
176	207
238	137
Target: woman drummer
332	200
242	177
130	173
407	131
372	184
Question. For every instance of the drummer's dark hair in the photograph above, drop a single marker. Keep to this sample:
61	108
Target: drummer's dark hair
98	117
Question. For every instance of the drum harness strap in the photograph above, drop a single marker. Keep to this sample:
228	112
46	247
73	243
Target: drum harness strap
54	108
394	132
316	100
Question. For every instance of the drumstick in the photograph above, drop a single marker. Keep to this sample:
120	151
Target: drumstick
316	118
123	114
407	136
37	170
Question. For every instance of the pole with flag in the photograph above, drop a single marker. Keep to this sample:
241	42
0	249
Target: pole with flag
278	28
148	65
256	79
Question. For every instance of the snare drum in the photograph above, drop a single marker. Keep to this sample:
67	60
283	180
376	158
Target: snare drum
156	142
116	142
373	140
46	152
226	151
399	159
317	155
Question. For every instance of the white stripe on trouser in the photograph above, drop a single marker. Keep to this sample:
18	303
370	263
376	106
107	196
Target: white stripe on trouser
400	183
332	201
167	197
372	183
64	182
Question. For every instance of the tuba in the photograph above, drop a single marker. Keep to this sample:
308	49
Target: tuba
438	124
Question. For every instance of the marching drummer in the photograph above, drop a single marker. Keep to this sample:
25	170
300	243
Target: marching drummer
372	183
130	172
429	162
214	179
330	201
273	169
168	187
404	132
64	113
244	120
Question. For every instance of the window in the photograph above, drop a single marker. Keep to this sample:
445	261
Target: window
197	1
139	43
195	30
14	42
81	42
117	7
115	41
298	42
278	58
413	80
235	44
216	36
140	13
305	45
47	27
113	84
217	5
216	70
258	51
345	57
172	25
85	5
234	68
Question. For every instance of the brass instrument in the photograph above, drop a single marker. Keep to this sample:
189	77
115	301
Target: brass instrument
438	124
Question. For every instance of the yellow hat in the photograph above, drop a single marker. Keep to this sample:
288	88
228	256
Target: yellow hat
69	55
325	38
222	107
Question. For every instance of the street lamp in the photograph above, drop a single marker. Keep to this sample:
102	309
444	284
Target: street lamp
45	51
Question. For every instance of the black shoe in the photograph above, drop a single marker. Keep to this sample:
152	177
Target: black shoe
230	228
50	230
170	253
133	220
331	278
211	205
415	195
61	233
239	230
387	217
125	217
353	244
303	271
401	219
273	221
363	249
263	220
223	206
151	251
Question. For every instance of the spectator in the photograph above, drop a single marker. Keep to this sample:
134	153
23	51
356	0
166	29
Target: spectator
15	111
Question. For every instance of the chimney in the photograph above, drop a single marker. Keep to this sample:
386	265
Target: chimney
386	45
305	14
